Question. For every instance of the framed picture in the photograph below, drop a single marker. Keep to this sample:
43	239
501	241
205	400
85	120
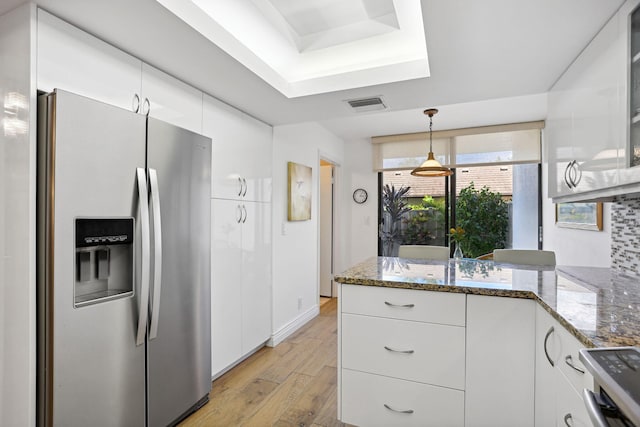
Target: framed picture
299	194
584	216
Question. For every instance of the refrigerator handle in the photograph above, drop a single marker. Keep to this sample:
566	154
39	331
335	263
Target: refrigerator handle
157	253
143	308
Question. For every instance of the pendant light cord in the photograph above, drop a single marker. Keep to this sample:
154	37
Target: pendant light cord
431	132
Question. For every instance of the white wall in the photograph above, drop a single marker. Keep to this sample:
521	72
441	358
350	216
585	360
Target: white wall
17	222
363	219
574	247
295	244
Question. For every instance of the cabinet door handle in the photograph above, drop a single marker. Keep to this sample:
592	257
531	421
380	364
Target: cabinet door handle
244	183
399	305
244	209
146	107
566	420
405	411
576	167
135	103
566	177
569	361
240	186
239	214
546	338
399	351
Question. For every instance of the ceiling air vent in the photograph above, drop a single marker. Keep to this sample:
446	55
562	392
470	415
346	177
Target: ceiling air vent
373	103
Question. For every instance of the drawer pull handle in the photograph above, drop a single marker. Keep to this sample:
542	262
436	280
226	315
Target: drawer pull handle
398	351
546	338
569	361
406	411
566	420
399	305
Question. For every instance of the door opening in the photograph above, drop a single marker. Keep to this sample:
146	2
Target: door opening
327	193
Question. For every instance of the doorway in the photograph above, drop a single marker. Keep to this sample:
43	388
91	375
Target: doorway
327	226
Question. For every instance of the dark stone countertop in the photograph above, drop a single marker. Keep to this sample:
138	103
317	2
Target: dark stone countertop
599	306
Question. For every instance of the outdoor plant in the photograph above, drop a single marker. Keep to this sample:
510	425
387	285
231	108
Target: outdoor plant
394	206
421	224
416	227
484	217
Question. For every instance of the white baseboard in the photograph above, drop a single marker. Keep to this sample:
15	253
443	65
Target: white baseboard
294	325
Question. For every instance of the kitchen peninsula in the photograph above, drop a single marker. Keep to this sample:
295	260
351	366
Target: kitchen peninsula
472	342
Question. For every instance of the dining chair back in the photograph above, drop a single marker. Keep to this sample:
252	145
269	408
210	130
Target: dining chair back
525	256
440	253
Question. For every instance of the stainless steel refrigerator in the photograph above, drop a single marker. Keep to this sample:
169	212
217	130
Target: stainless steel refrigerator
123	266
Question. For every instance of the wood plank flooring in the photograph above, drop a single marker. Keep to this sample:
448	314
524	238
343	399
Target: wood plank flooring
293	384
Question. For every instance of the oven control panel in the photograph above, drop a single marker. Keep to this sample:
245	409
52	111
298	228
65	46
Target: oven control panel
616	370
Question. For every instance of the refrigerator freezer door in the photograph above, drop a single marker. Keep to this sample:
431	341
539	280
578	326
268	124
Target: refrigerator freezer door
180	354
95	373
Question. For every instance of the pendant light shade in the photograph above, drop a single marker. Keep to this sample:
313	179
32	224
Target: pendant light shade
431	167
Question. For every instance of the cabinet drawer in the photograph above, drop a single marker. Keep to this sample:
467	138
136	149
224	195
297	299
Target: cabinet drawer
570	356
570	409
422	306
423	352
364	397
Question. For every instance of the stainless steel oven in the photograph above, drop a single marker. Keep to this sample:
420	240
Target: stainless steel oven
616	399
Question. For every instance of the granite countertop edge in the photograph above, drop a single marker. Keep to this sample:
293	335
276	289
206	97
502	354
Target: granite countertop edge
509	293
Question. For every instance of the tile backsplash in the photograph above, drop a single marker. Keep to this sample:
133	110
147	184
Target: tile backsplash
625	234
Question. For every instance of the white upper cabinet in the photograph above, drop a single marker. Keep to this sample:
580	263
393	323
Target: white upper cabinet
73	60
70	59
593	122
586	121
171	100
631	171
241	163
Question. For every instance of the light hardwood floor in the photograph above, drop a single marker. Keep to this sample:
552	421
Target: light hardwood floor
293	384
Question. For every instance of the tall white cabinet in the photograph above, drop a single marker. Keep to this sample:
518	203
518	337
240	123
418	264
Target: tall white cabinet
70	59
241	233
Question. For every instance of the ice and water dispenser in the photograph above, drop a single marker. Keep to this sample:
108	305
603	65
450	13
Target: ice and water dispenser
104	259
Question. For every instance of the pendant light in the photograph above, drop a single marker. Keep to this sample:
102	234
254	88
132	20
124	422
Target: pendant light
431	167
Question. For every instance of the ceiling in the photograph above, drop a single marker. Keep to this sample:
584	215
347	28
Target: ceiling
315	46
490	61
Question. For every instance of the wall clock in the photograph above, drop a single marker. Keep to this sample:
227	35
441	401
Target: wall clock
360	195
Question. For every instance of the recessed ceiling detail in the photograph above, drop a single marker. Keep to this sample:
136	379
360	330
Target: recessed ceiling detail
316	24
315	46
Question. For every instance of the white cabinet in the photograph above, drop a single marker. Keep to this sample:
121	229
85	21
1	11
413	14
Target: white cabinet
241	279
171	100
443	307
226	284
241	153
488	361
70	59
570	411
256	274
548	352
585	129
372	400
560	376
499	388
402	357
404	349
